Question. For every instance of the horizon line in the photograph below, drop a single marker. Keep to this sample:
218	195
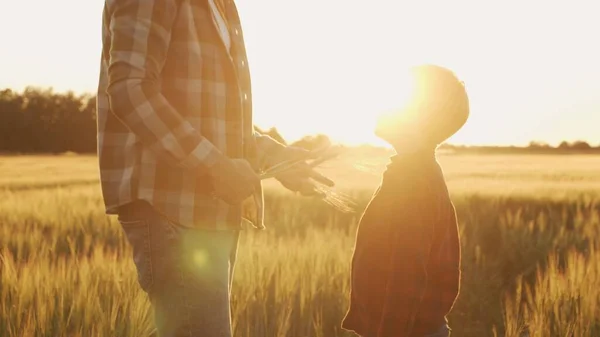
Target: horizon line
348	143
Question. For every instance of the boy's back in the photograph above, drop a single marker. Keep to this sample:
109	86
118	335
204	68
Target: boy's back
406	264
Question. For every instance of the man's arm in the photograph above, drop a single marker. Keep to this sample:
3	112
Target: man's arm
140	34
411	244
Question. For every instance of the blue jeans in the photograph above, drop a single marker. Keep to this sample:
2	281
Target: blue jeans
186	272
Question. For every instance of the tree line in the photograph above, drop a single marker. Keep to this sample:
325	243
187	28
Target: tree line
43	121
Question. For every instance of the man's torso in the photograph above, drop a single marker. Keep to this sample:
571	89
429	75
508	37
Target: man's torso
208	84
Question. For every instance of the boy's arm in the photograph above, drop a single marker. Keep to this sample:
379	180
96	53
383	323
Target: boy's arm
411	244
140	34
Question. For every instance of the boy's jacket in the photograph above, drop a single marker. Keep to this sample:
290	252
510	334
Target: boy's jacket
406	263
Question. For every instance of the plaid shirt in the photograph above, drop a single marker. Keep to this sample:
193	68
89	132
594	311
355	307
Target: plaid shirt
406	263
172	99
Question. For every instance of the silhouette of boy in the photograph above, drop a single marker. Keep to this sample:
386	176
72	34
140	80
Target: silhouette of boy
406	262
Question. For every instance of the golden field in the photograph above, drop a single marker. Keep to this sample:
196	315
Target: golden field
530	228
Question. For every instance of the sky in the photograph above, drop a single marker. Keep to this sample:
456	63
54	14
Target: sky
531	68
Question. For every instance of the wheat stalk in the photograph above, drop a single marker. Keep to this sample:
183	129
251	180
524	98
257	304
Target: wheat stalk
339	201
319	156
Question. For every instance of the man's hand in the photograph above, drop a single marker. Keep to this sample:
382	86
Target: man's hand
302	178
233	180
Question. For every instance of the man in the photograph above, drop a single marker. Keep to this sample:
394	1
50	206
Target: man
178	153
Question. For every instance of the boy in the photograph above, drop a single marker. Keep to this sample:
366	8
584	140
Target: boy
406	263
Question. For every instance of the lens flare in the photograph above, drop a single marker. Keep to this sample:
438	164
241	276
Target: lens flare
200	258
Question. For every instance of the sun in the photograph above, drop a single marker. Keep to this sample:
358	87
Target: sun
392	95
398	93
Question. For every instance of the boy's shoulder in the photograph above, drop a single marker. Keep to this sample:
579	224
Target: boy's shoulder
415	183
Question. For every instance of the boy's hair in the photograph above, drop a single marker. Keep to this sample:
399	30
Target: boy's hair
441	98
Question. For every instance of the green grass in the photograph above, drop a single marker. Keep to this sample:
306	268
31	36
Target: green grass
529	227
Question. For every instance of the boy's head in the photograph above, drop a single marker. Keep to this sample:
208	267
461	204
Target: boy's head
437	108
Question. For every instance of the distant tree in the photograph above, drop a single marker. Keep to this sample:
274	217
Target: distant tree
576	145
580	145
40	120
538	145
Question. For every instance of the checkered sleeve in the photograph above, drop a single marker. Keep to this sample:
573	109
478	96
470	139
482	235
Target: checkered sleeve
407	282
140	34
269	150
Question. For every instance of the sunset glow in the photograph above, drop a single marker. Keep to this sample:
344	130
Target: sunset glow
331	66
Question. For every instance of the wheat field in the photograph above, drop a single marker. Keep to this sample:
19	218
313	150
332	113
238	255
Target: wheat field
530	229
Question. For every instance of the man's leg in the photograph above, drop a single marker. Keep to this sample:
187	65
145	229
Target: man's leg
186	272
